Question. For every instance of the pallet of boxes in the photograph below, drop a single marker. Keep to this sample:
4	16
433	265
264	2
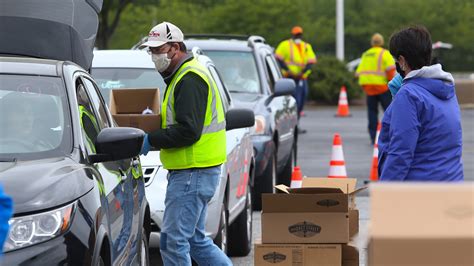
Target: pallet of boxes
312	225
139	108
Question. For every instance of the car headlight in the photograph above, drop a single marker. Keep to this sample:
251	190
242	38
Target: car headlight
259	126
32	229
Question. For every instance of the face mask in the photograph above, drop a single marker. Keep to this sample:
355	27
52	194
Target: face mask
161	61
297	40
399	70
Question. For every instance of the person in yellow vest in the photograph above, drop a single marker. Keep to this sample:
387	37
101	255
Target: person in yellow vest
192	145
376	69
295	58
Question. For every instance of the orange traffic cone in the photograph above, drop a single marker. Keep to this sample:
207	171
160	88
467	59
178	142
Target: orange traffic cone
337	168
343	106
374	173
296	178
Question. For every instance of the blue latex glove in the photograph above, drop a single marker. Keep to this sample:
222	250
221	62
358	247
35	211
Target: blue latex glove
395	84
146	146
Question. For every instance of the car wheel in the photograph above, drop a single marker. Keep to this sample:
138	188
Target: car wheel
267	183
144	250
240	231
221	237
285	176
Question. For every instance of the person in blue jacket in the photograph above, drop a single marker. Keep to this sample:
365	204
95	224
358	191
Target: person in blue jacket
6	211
421	136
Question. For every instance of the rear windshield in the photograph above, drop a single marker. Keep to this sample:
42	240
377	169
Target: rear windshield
34	118
238	70
131	78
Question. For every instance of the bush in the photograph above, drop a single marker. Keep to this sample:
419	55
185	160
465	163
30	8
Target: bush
327	78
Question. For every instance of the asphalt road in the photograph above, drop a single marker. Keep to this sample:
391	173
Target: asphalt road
314	154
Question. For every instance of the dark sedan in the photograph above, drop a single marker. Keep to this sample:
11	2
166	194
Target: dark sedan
74	177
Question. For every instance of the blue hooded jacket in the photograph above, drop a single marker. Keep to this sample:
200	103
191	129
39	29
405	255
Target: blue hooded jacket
421	136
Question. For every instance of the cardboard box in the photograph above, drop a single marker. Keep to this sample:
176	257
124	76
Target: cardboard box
305	227
319	212
350	255
422	224
297	254
127	105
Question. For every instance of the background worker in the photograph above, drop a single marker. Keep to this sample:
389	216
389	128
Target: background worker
421	136
375	70
193	146
296	58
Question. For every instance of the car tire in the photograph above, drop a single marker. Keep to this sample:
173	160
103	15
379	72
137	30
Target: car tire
144	250
285	175
222	236
240	231
267	182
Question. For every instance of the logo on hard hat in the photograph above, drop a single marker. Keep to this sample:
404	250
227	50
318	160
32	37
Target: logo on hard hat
304	229
274	257
328	203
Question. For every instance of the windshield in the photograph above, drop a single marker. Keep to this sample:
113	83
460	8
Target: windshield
130	78
34	118
238	70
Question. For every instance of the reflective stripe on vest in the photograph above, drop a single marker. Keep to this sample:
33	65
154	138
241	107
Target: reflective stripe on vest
371	71
210	149
215	125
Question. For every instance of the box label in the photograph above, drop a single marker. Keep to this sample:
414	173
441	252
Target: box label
328	203
274	257
304	229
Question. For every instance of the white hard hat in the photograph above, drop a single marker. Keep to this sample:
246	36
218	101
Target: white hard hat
163	33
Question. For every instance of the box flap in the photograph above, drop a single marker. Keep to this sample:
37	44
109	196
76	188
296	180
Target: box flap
290	203
347	185
422	210
307	190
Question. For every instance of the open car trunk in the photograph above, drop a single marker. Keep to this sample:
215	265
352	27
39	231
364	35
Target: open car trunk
51	29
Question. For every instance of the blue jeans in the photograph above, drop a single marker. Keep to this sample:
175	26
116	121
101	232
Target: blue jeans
373	110
183	232
300	94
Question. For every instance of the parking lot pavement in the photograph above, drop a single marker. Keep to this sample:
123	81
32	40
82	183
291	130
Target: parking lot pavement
314	154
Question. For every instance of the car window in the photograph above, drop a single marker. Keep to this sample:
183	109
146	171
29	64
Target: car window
130	78
225	98
238	69
34	117
87	117
97	102
272	71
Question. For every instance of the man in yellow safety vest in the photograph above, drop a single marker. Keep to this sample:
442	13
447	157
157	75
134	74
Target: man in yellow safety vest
295	58
376	69
192	145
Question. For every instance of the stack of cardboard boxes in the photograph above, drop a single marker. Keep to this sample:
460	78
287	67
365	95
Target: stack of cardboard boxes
311	225
128	105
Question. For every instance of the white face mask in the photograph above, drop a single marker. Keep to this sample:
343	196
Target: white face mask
162	62
297	40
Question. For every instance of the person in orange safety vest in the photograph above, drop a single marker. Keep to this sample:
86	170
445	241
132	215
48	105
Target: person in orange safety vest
296	58
376	69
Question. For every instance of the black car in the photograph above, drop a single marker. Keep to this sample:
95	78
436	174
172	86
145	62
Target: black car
75	178
253	77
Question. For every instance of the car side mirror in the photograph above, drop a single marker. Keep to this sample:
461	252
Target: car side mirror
239	118
284	86
117	143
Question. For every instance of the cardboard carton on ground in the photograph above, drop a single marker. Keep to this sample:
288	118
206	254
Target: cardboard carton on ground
422	224
127	105
350	255
298	254
320	212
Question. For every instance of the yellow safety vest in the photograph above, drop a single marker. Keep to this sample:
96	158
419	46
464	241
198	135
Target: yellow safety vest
295	60
210	149
374	65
